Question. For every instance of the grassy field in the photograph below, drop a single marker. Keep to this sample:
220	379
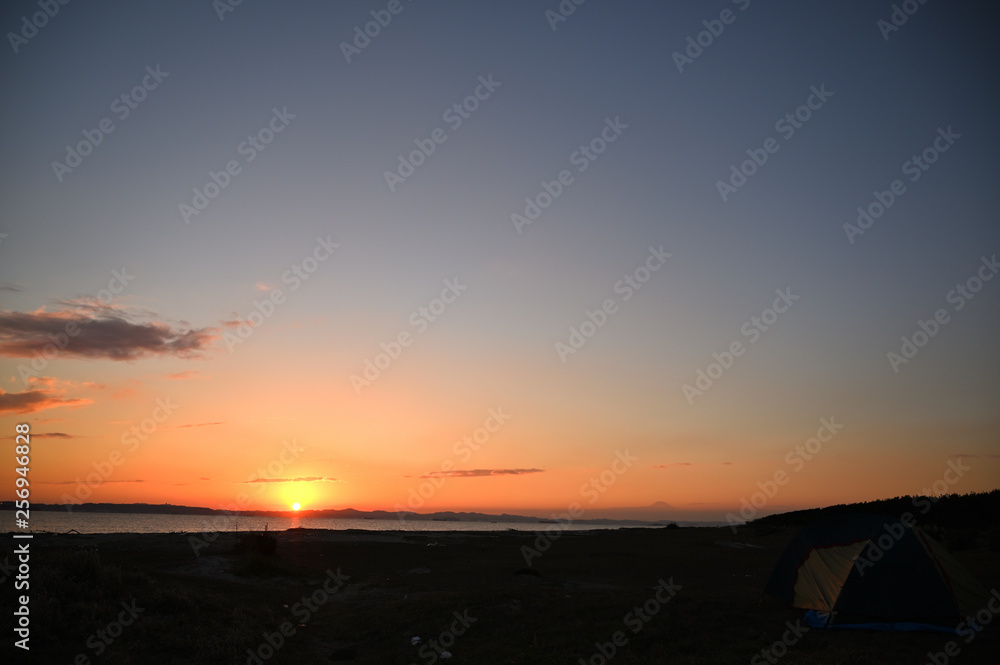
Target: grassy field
689	595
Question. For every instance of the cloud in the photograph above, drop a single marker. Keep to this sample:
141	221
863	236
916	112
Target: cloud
222	422
54	435
31	401
664	466
6	286
74	482
261	286
102	331
301	479
182	376
127	391
477	473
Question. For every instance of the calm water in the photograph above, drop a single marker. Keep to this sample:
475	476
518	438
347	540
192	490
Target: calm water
60	522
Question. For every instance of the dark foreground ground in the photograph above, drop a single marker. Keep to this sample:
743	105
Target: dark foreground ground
470	592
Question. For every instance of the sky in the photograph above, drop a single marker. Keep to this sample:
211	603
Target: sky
644	258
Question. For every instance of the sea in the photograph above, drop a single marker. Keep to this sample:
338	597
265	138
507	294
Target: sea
58	521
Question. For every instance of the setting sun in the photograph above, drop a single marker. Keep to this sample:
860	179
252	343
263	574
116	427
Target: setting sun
296	506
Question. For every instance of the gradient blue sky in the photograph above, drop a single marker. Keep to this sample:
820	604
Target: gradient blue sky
656	185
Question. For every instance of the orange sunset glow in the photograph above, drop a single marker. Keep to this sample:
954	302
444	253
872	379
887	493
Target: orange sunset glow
222	436
412	331
676	294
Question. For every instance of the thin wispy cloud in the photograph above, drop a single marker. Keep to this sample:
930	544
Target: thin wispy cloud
478	473
183	376
32	401
74	482
49	435
302	479
128	391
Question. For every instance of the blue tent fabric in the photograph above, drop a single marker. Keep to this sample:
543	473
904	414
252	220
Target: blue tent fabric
815	619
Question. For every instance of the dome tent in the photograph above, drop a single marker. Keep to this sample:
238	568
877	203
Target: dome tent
876	572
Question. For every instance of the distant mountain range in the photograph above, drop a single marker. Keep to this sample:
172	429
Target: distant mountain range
952	510
654	511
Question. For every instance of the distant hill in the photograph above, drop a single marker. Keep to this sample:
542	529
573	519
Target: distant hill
952	511
345	513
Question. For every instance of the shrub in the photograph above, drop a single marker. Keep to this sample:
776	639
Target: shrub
262	544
